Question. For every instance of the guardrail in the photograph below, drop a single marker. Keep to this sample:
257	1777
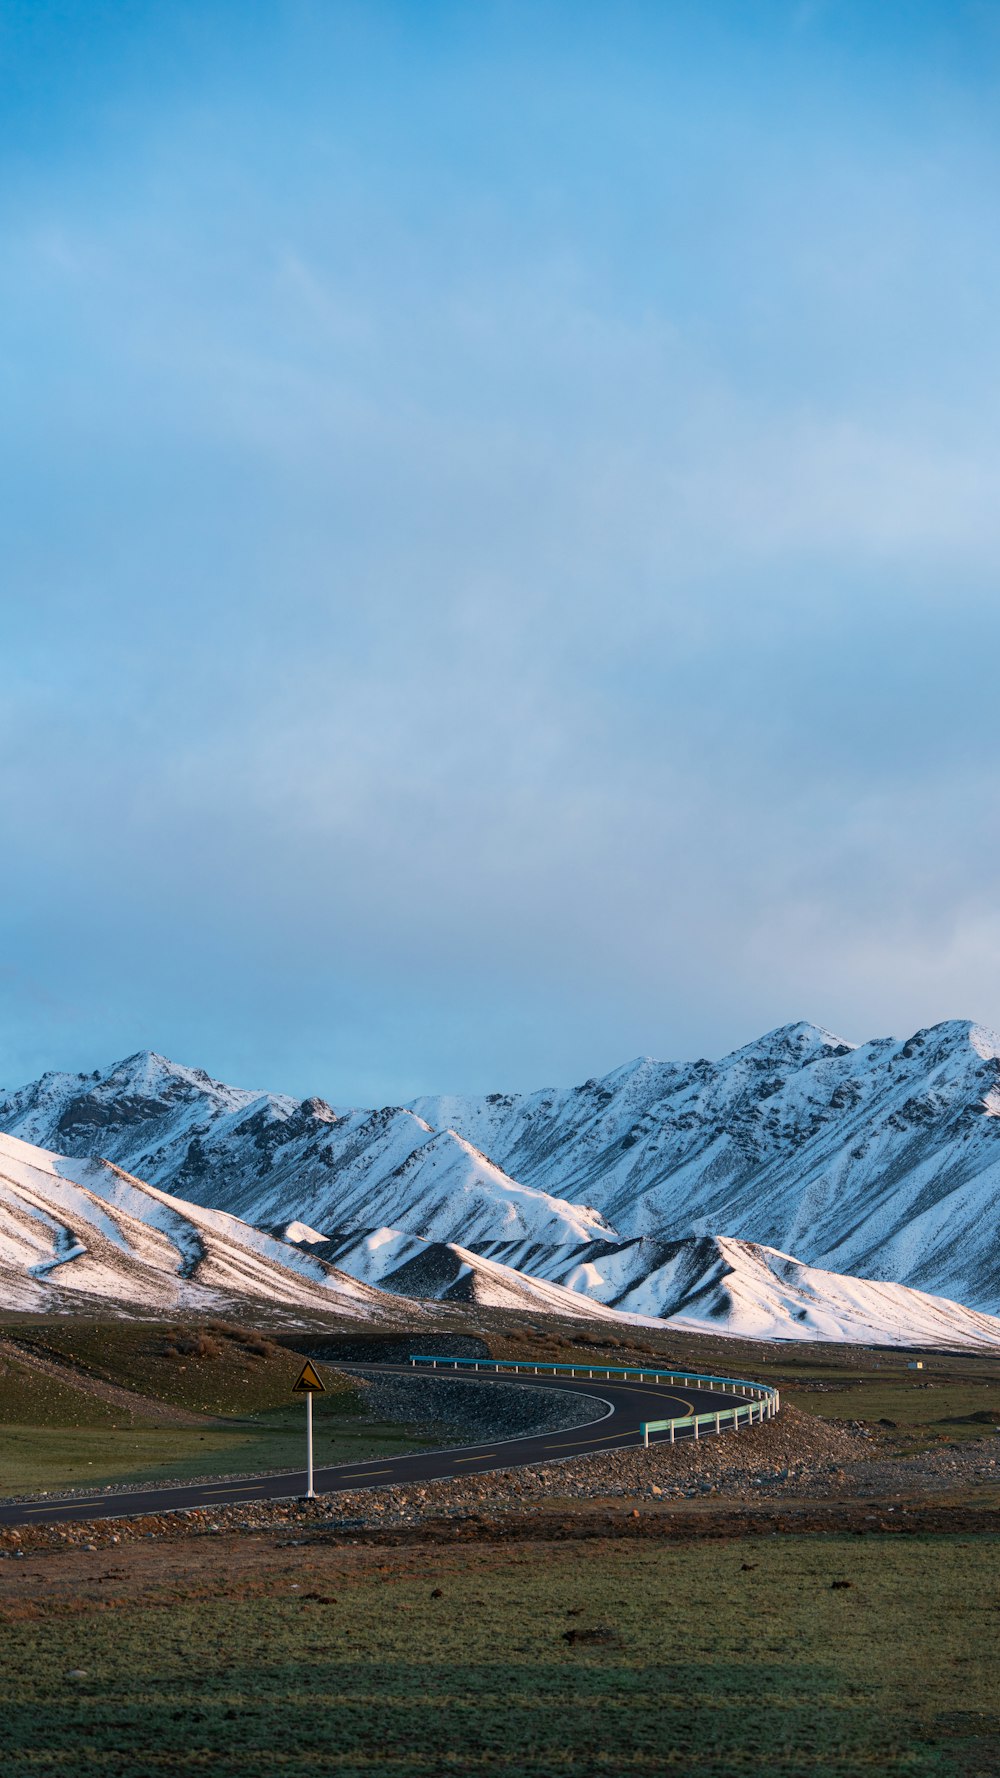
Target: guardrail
763	1402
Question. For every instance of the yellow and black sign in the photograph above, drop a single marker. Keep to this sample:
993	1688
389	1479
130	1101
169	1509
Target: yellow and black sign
309	1381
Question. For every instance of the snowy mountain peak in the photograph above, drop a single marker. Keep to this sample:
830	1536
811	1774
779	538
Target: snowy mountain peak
149	1073
955	1036
985	1042
144	1068
319	1109
640	1071
799	1043
955	1049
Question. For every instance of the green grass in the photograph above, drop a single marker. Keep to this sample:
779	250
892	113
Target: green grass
231	1385
36	1458
30	1397
947	1411
715	1660
211	1367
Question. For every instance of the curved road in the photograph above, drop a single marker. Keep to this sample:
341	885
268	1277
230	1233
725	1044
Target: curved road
621	1409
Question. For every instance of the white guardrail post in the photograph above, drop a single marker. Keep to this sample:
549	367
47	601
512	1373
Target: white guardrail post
758	1397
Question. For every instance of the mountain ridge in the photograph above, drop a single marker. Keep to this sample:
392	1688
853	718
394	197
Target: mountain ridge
75	1233
879	1159
81	1230
701	1284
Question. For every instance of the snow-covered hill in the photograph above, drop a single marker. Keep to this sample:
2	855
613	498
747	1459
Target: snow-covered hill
881	1160
700	1284
78	1232
265	1157
445	1272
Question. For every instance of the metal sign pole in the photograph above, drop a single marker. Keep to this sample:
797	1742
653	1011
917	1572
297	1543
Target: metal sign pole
309	1383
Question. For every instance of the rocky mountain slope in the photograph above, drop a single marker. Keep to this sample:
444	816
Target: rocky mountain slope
75	1232
881	1160
443	1271
266	1157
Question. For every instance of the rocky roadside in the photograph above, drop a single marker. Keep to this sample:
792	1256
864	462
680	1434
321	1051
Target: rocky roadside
795	1460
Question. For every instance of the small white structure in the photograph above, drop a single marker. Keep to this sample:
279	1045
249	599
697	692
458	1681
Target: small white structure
914	1364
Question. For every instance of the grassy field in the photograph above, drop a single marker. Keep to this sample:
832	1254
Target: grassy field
89	1403
211	1367
954	1396
949	1401
949	1410
805	1656
46	1458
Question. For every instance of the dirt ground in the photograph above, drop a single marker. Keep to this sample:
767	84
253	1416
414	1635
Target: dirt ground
157	1564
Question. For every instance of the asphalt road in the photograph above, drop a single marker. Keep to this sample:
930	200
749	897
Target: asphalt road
620	1409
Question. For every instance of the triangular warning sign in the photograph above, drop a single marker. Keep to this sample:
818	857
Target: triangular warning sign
309	1381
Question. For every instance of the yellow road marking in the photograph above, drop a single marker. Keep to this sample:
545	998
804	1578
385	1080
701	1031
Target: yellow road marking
213	1487
250	1488
476	1458
568	1444
687	1405
75	1505
355	1473
667	1395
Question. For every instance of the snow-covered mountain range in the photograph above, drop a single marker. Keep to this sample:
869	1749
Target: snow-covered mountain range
266	1157
704	1283
76	1234
880	1160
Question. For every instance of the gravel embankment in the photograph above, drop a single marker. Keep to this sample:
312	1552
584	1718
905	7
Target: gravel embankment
464	1411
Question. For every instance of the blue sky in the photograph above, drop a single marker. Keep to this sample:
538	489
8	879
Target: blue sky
501	563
